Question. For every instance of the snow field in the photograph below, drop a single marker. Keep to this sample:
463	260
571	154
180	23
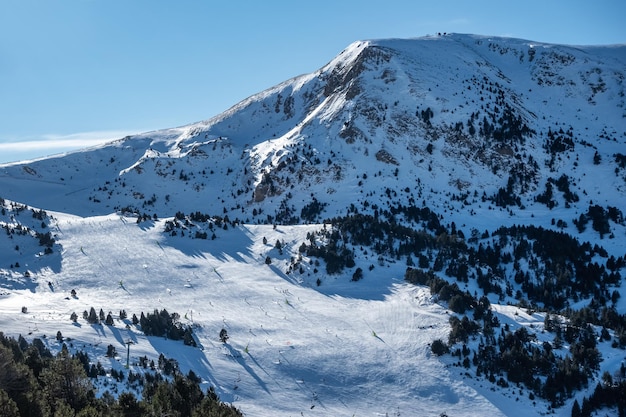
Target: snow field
292	348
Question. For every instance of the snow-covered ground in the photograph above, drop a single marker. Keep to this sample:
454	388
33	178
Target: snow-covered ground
293	348
351	136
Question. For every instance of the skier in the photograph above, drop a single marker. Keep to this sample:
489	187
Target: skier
223	335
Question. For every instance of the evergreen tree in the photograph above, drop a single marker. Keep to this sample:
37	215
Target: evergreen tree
111	352
358	274
210	406
8	408
93	316
586	409
576	409
188	337
129	406
14	377
65	381
438	347
279	246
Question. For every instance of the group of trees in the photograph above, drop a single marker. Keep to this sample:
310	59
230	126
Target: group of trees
563	185
610	393
311	211
506	356
458	301
162	323
599	218
550	269
159	323
517	355
36	383
196	225
334	252
558	267
36	228
96	318
506	126
381	232
557	142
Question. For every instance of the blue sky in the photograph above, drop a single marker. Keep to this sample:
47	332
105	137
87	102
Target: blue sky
78	72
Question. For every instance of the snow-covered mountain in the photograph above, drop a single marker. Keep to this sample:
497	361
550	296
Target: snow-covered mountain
446	116
454	137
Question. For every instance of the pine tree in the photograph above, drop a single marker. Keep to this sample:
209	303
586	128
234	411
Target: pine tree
586	408
279	246
111	351
188	337
65	381
438	347
93	317
576	409
8	408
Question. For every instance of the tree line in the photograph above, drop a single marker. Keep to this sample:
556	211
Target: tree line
36	383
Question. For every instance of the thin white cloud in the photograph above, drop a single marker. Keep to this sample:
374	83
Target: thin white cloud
28	149
53	142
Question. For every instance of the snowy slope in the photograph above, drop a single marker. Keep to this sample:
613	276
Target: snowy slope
443	122
304	348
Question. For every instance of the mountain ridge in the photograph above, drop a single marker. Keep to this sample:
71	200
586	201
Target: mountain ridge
352	120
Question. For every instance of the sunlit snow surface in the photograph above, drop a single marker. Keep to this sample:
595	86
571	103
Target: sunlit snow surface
334	350
341	348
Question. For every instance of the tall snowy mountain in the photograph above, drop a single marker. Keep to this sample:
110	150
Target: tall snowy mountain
489	171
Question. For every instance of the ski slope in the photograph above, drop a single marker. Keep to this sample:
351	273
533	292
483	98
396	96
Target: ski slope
294	348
